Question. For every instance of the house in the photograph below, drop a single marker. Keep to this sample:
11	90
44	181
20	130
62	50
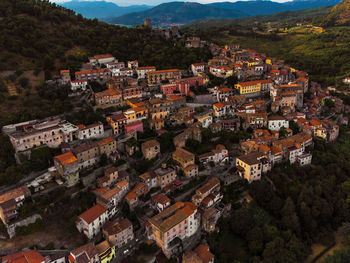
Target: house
150	149
249	88
293	152
133	64
204	119
219	155
156	124
211	187
118	232
193	133
108	96
51	132
67	166
132	197
102	59
65	76
88	154
304	159
92	131
91	221
160	76
78	85
191	170
10	203
106	252
107	146
200	254
198	68
230	124
110	177
275	123
166	175
142	71
132	127
221	109
223	93
150	179
102	74
30	256
117	122
183	157
181	220
252	165
160	202
87	253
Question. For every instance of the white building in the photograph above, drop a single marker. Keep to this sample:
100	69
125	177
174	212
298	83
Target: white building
294	152
78	85
275	123
197	68
219	155
304	159
142	71
95	130
102	59
124	72
91	221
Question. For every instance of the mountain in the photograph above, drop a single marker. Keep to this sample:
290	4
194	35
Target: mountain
253	8
340	14
102	9
176	13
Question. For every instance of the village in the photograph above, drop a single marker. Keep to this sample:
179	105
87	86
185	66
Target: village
174	138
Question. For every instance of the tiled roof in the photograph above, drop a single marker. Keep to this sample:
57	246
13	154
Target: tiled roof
105	141
93	213
164	71
203	252
150	143
66	158
182	153
115	227
89	249
145	68
161	198
31	256
15	193
251	158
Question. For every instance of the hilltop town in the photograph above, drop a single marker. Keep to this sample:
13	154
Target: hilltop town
173	153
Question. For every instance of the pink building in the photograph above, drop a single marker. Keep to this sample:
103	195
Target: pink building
134	127
192	82
181	88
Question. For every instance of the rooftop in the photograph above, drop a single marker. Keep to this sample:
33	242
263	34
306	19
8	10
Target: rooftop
115	227
66	158
93	213
31	256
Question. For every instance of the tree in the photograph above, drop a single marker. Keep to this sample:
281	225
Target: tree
290	219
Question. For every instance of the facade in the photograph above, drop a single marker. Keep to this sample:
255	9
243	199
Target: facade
106	252
251	166
200	254
93	75
166	175
67	166
211	187
183	157
118	232
108	96
78	85
107	146
117	122
142	71
88	154
275	123
157	77
180	220
198	68
91	221
92	131
87	253
110	177
102	59
219	155
249	88
150	149
160	202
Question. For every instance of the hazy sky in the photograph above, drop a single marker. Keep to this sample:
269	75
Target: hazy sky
153	2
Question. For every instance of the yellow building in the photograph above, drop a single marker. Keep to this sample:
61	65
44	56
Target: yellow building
105	252
183	157
252	63
321	132
248	87
268	61
136	113
252	165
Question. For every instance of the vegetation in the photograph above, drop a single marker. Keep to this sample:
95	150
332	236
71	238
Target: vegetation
37	226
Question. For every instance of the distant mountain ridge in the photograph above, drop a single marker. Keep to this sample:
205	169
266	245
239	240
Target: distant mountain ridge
185	12
176	13
102	9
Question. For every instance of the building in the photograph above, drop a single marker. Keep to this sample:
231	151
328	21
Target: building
223	93
156	124
142	71
30	256
65	76
150	149
160	201
10	203
200	254
161	76
110	177
198	68
78	85
91	221
49	132
117	122
107	146
165	175
249	88
102	74
219	155
132	197
87	253
251	166
92	131
183	157
304	159
211	187
180	220
118	232
106	252
67	166
108	96
192	133
275	123
150	179
102	59
88	154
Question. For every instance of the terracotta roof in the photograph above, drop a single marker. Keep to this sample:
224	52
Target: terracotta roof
105	141
164	71
150	143
15	193
209	186
31	256
161	198
102	247
219	105
145	68
64	71
225	90
111	170
251	158
89	249
66	158
203	252
315	122
102	56
276	118
93	213
115	227
91	71
183	153
107	92
131	195
118	117
255	82
174	97
198	64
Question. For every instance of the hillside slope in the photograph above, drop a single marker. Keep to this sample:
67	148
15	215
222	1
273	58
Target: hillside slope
340	14
101	9
176	13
